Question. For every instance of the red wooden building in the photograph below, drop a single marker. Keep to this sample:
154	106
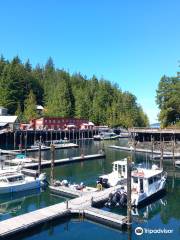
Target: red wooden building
60	123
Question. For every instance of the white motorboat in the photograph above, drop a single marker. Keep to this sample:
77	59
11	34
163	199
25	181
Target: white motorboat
12	181
36	145
117	176
105	136
20	159
59	143
145	184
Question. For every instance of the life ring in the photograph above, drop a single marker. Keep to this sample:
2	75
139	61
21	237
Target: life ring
141	174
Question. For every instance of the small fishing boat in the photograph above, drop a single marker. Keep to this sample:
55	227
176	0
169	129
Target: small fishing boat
36	145
13	181
145	184
105	136
117	176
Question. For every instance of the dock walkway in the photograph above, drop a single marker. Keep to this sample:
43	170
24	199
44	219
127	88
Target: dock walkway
45	148
80	205
47	163
141	150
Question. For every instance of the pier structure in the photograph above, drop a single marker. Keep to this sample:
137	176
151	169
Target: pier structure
158	134
79	206
28	137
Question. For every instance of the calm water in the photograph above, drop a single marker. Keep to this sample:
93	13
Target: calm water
164	213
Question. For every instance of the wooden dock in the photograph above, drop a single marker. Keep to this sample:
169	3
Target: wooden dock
167	156
45	148
138	150
47	163
80	205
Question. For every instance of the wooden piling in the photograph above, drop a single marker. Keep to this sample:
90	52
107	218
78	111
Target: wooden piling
14	140
162	152
52	163
152	147
25	143
51	137
129	217
20	142
39	159
173	149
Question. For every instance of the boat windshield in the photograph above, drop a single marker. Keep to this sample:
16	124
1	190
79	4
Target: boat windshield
15	178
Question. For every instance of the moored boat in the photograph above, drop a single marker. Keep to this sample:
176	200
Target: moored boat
117	176
105	136
13	181
145	184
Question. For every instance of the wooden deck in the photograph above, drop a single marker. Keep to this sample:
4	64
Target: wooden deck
47	163
155	130
80	205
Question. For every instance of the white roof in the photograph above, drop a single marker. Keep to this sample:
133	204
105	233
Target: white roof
147	173
121	162
8	119
91	123
39	107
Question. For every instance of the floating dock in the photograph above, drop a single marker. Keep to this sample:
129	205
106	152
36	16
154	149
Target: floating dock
140	150
45	148
47	163
167	156
80	205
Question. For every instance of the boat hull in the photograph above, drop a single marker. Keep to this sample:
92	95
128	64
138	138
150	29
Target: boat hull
20	187
151	198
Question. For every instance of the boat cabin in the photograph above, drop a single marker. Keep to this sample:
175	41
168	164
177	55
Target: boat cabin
146	180
120	167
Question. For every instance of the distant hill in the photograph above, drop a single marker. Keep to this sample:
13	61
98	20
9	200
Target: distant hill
155	125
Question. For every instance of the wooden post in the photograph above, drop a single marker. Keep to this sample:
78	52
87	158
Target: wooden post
52	163
39	159
60	135
173	149
35	136
14	140
51	136
73	134
162	152
129	217
152	147
20	142
25	143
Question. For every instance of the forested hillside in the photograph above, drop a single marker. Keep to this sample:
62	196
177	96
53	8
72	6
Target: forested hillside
64	94
168	100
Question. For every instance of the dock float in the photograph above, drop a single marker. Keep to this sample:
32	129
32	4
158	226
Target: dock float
78	206
167	156
47	163
140	150
45	148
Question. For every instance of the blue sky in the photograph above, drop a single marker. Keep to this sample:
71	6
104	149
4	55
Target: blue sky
132	43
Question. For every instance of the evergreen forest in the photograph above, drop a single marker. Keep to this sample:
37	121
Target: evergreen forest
168	100
62	94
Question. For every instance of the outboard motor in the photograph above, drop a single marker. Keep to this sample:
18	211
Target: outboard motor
123	199
110	202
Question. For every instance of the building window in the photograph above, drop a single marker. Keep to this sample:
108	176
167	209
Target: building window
49	121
